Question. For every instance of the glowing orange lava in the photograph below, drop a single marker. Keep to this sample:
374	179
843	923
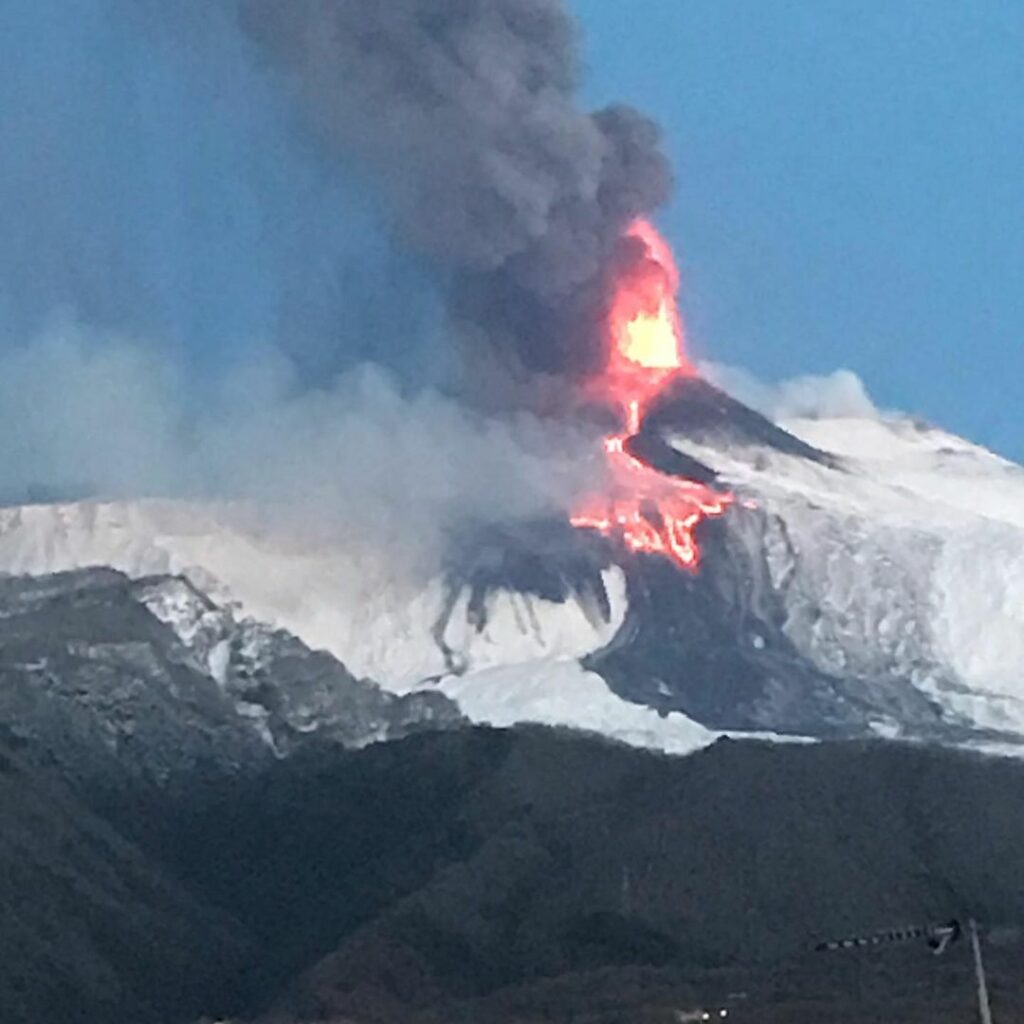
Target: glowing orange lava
649	511
646	327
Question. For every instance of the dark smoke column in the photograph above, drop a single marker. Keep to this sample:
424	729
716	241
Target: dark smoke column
465	112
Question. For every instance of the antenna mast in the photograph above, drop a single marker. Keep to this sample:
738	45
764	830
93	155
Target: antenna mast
984	1010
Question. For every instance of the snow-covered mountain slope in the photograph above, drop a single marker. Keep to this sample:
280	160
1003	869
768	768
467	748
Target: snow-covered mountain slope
381	618
384	617
148	685
905	558
870	580
974	501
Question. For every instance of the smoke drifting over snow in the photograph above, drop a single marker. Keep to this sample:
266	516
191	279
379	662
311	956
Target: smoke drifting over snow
836	395
80	416
465	112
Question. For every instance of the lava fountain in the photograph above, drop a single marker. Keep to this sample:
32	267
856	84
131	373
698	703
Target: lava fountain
647	510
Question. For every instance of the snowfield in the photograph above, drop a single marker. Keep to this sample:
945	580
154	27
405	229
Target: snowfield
976	582
908	557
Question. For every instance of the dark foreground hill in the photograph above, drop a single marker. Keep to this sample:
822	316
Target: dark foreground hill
525	875
91	930
522	875
175	840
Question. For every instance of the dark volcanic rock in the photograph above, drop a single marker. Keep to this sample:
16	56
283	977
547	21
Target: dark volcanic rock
713	645
546	558
691	407
653	450
293	694
95	685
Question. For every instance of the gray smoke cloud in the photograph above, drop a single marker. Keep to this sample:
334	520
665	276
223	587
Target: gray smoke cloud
465	113
92	415
462	114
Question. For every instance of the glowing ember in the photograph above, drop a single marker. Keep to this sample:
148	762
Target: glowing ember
649	511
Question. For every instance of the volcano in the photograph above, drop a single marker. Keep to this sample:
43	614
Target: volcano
866	580
648	506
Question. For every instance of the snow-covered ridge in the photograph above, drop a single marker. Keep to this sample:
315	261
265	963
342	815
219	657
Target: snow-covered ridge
377	615
370	610
909	556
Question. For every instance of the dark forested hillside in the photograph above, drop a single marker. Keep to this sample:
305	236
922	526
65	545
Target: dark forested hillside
160	858
463	869
91	930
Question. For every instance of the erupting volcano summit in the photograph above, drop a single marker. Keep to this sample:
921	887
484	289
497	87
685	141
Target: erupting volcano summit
647	510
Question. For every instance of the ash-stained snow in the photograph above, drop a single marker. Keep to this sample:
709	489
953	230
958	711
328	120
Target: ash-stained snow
369	609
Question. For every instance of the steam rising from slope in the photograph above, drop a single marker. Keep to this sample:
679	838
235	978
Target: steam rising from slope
465	111
840	394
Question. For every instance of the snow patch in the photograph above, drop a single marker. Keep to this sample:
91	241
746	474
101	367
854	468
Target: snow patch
979	619
563	693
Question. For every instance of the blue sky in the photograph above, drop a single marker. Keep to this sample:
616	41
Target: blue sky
153	184
849	193
850	188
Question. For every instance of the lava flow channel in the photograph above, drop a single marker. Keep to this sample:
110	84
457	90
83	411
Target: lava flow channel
647	510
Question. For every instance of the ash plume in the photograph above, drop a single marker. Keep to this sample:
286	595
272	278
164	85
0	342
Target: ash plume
465	113
154	294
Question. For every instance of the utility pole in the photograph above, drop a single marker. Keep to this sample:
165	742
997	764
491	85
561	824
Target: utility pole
939	937
984	1010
